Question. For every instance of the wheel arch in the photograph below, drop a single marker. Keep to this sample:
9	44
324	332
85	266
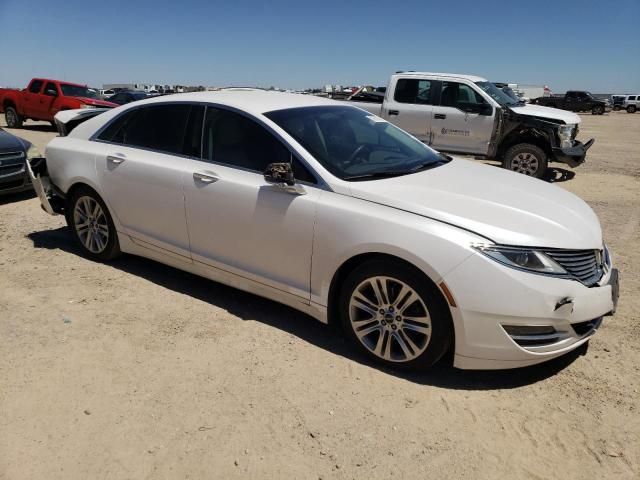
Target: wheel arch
533	136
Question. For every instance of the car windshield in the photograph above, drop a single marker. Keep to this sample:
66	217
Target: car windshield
356	145
78	91
498	95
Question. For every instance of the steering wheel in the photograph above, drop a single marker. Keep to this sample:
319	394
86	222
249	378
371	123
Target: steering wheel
357	152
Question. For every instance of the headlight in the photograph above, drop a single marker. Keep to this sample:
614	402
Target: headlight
522	259
84	105
33	152
565	134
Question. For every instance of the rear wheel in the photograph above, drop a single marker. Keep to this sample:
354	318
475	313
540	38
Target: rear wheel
13	119
527	159
597	110
631	109
92	225
394	315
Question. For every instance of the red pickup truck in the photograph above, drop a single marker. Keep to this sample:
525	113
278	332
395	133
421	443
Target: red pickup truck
43	98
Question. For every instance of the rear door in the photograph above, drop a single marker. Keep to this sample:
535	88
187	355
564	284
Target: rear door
31	98
409	106
143	161
463	120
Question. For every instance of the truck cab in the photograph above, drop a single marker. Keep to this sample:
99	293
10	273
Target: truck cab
468	114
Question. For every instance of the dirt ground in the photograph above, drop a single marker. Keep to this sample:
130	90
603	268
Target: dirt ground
136	370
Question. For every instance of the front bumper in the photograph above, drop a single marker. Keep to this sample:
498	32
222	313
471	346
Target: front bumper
489	321
572	156
16	181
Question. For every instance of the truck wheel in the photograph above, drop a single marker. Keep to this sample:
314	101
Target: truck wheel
527	159
597	110
12	118
616	108
631	109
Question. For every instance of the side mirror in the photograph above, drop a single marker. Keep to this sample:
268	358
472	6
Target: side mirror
51	93
479	108
280	173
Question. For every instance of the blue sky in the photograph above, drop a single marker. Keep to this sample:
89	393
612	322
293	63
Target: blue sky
564	44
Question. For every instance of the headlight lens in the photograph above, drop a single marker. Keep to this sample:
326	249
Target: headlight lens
33	152
522	259
84	105
565	135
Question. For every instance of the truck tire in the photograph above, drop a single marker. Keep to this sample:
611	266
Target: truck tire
631	109
13	119
616	108
597	110
527	159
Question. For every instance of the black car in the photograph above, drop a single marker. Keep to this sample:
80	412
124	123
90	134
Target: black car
13	159
574	100
128	96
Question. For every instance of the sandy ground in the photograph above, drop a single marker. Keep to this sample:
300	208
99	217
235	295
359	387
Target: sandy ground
137	370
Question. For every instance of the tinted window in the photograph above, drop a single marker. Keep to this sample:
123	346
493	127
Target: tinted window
413	90
193	132
236	140
458	95
632	97
114	131
35	86
50	89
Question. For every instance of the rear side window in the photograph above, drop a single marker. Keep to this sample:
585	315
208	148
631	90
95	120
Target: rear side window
36	86
458	95
413	90
632	97
156	127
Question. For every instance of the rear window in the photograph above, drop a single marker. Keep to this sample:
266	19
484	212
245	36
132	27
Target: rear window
36	86
413	90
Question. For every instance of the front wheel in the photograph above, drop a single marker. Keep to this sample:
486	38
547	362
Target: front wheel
92	225
597	110
527	159
631	109
394	315
13	119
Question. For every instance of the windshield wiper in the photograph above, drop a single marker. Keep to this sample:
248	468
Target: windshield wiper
397	173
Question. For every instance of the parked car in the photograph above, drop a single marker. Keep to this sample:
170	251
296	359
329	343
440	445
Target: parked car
468	114
617	102
13	158
575	101
336	212
631	103
128	96
43	98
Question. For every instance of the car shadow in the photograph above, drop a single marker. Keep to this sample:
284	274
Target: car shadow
247	306
16	197
555	175
39	127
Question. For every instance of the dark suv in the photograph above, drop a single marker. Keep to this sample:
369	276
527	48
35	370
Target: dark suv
13	158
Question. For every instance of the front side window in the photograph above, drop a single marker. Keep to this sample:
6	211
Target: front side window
35	86
69	90
233	139
413	90
459	95
505	96
51	89
353	144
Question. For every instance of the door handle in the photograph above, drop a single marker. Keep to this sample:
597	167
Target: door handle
205	177
394	112
440	116
116	159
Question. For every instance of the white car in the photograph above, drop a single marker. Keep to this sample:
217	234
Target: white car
327	208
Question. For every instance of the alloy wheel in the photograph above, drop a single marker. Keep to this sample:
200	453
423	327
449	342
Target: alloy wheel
10	117
390	319
91	224
526	163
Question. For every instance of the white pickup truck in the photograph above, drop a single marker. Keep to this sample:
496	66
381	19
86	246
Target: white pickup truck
470	115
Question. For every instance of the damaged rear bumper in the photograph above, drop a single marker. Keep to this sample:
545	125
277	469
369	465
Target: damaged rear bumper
51	199
573	156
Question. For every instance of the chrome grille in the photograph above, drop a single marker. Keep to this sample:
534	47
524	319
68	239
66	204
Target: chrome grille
11	157
584	265
11	169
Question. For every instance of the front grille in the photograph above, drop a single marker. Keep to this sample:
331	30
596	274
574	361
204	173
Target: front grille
532	336
10	169
584	265
7	158
585	328
12	184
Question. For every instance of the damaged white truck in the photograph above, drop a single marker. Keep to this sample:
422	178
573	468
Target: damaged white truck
470	115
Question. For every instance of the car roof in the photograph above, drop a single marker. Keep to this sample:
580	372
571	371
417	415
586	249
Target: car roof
471	78
254	101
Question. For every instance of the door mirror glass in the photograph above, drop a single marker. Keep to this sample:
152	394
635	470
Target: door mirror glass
51	93
280	173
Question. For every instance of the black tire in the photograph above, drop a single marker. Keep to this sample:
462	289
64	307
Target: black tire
101	229
13	119
429	348
631	109
597	110
527	159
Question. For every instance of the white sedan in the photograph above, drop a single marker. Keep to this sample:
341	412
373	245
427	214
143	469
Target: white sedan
337	213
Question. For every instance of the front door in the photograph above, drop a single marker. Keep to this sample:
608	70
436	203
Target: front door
240	223
142	164
457	126
31	99
409	107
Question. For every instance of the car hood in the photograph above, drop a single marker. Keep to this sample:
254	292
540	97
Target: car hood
508	208
97	103
547	112
10	142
